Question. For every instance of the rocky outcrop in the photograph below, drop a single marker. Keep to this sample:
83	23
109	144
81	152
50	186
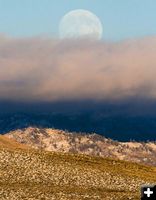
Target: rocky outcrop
90	144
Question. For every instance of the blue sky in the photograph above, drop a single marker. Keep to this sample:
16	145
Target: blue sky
121	19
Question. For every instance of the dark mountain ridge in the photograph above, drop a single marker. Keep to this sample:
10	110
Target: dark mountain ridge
133	119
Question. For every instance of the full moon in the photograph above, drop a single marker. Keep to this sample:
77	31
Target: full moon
80	24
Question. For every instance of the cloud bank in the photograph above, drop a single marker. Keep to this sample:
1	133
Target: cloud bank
44	69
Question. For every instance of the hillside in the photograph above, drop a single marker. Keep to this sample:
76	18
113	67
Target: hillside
10	143
39	175
89	144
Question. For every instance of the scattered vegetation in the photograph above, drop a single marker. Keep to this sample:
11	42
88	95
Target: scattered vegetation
89	144
28	174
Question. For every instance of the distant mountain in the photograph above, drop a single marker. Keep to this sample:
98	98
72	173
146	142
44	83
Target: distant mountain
120	126
90	144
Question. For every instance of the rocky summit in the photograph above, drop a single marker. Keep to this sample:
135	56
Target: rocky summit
90	144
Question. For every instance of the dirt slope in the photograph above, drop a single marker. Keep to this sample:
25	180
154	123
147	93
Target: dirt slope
10	143
39	175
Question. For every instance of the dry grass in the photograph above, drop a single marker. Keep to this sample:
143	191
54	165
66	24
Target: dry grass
39	175
11	143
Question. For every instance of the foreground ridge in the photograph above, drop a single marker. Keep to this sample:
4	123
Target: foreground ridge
37	175
89	144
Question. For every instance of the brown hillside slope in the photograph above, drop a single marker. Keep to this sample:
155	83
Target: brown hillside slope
10	143
37	175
